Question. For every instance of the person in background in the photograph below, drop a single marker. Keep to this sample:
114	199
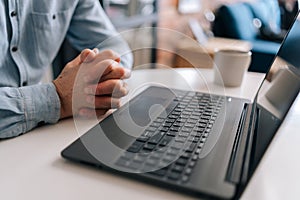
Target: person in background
31	33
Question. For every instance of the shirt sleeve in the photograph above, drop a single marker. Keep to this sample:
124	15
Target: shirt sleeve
22	109
90	28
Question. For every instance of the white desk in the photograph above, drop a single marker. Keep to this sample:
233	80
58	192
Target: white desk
31	166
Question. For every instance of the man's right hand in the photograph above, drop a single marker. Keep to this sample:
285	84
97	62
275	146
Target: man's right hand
98	87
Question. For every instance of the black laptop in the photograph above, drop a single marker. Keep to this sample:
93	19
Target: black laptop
197	143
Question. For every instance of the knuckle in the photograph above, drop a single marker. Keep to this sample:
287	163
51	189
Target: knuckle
108	64
109	52
120	84
69	64
122	72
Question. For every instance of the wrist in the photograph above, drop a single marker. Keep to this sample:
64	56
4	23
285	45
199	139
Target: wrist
63	112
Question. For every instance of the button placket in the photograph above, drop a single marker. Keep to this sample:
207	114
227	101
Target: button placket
14	43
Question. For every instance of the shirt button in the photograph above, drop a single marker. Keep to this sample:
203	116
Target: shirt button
13	13
14	49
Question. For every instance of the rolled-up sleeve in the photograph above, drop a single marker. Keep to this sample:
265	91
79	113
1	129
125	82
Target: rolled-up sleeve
22	109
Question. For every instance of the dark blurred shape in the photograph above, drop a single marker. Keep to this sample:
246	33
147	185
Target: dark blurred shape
244	21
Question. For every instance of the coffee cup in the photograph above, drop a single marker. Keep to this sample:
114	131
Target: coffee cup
230	66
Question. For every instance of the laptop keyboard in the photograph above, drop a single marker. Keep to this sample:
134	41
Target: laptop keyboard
172	144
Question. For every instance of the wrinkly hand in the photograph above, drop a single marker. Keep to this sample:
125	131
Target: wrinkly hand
95	80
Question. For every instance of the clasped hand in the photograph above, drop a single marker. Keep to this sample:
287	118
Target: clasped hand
91	84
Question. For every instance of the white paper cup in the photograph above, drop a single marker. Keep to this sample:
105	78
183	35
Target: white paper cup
230	67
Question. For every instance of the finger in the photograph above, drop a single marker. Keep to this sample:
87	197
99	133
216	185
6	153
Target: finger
117	72
88	55
80	58
103	102
90	113
107	54
95	70
112	87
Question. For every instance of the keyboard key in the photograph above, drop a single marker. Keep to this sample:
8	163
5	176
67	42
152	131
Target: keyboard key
201	125
167	124
192	164
173	175
177	168
149	146
189	124
202	140
156	138
174	129
165	141
180	139
155	124
183	134
191	148
139	159
147	134
123	162
173	152
157	154
194	158
178	124
194	139
161	172
186	155
177	145
169	158
200	130
163	129
200	145
151	129
135	147
170	120
163	164
134	165
128	155
184	178
142	139
172	133
186	129
159	120
182	161
188	171
151	162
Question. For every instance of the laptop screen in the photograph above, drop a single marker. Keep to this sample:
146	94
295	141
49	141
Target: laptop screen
277	93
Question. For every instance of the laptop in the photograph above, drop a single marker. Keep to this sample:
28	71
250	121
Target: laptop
201	144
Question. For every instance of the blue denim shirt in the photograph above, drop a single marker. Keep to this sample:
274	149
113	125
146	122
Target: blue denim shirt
31	33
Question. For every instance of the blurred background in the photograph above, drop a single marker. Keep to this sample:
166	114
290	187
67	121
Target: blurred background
256	25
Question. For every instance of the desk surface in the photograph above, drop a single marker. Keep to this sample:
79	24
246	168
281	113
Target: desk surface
32	168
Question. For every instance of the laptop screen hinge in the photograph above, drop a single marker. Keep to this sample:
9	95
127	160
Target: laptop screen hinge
237	156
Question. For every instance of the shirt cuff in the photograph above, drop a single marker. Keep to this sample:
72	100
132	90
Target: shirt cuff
41	105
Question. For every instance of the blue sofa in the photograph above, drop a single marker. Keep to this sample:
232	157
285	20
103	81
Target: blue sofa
242	21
